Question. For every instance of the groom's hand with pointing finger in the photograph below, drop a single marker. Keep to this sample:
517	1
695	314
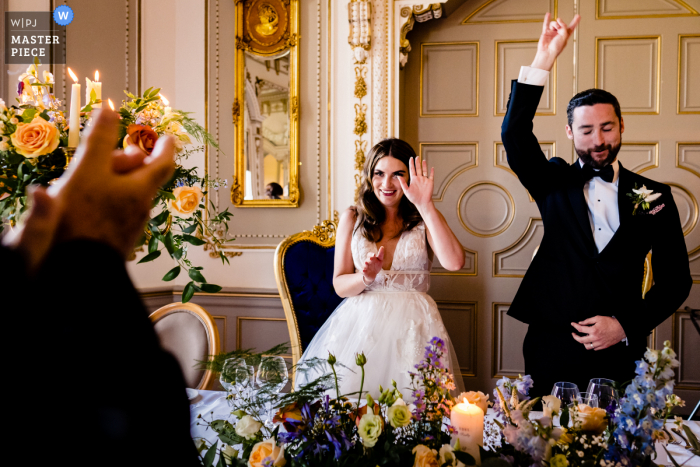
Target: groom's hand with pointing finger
555	35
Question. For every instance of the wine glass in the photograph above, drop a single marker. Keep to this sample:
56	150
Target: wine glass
251	374
272	374
235	376
603	388
587	398
566	392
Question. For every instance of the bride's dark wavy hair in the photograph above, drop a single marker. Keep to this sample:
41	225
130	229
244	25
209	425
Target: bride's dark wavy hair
370	211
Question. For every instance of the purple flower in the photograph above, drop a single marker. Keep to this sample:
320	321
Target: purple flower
268	462
20	88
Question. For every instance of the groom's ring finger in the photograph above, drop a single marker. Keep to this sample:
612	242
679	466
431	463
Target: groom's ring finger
591	346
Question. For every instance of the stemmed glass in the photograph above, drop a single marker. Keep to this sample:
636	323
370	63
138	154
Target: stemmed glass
272	374
566	392
235	375
587	398
603	388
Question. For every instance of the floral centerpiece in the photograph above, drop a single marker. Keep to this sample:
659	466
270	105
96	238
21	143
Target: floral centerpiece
34	151
313	428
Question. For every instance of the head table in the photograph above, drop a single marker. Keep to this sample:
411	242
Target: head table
213	406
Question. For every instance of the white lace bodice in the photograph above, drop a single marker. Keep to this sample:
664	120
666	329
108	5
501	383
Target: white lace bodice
410	269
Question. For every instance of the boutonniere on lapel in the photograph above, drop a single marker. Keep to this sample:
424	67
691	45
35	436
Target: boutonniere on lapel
642	197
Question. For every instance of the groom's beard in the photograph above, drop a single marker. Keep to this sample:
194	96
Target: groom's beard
587	158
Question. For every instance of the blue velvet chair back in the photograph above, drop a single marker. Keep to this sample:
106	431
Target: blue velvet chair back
304	274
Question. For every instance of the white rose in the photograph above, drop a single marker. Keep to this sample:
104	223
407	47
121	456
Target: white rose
551	404
229	454
370	429
247	427
398	414
447	456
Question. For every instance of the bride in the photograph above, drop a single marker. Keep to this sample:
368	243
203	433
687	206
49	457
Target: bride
383	254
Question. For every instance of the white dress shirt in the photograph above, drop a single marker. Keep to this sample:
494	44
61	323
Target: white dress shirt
601	196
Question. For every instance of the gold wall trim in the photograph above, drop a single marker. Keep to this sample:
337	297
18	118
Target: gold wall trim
691	253
508	222
598	40
494	341
675	334
457	273
329	42
222	340
464	372
530	222
691	12
654	163
678	76
678	156
553	75
420	96
239	331
694	222
488	2
461	171
508	169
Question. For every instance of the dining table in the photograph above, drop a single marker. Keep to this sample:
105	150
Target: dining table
212	405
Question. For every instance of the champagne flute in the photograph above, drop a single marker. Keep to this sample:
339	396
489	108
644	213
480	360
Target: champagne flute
603	388
272	374
566	392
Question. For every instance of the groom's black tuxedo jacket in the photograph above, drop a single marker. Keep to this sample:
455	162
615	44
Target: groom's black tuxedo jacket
569	280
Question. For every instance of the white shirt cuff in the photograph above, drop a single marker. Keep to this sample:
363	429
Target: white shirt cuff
533	76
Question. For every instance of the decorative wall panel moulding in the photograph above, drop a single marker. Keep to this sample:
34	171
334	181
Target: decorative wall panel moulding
688	156
485	222
694	260
512	11
440	62
452	313
618	58
500	158
509	57
639	157
409	16
688	66
686	341
625	9
514	260
687	207
471	266
450	160
507	339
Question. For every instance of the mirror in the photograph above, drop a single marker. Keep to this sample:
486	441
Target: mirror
266	109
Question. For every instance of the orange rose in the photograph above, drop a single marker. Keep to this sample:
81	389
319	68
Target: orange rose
142	136
290	411
592	419
186	201
265	449
36	138
425	457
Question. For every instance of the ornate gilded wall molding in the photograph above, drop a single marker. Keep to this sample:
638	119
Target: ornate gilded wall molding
409	16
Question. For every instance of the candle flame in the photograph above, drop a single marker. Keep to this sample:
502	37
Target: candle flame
165	101
72	75
111	106
97	75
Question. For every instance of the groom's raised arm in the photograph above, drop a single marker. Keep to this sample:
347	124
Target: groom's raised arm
525	156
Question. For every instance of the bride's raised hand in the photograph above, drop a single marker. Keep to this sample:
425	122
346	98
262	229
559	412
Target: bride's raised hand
373	264
420	191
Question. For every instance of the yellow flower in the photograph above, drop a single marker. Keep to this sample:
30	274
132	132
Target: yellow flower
559	461
475	397
398	414
36	138
265	449
565	437
592	419
187	199
425	457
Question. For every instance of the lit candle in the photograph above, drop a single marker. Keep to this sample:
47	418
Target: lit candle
111	106
166	102
97	86
468	421
74	122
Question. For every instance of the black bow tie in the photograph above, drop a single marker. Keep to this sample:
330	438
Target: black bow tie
607	173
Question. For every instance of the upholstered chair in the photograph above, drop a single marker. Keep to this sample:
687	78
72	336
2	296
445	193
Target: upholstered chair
304	275
189	333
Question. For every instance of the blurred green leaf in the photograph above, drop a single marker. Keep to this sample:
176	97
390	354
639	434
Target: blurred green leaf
211	288
152	244
172	274
193	240
188	292
150	257
195	275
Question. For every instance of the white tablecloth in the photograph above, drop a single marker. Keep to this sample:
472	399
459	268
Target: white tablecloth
212	406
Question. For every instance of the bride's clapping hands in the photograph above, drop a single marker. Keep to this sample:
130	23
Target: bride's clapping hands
420	191
373	264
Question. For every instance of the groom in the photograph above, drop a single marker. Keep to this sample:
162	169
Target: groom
582	295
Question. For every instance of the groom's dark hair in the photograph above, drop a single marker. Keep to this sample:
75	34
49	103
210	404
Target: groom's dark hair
592	97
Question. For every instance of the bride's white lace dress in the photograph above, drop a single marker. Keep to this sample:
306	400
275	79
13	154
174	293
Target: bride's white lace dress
391	321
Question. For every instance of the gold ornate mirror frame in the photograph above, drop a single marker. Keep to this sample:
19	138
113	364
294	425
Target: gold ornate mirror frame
255	35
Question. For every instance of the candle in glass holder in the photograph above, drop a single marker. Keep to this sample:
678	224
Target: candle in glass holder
166	103
468	422
111	106
74	118
97	86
